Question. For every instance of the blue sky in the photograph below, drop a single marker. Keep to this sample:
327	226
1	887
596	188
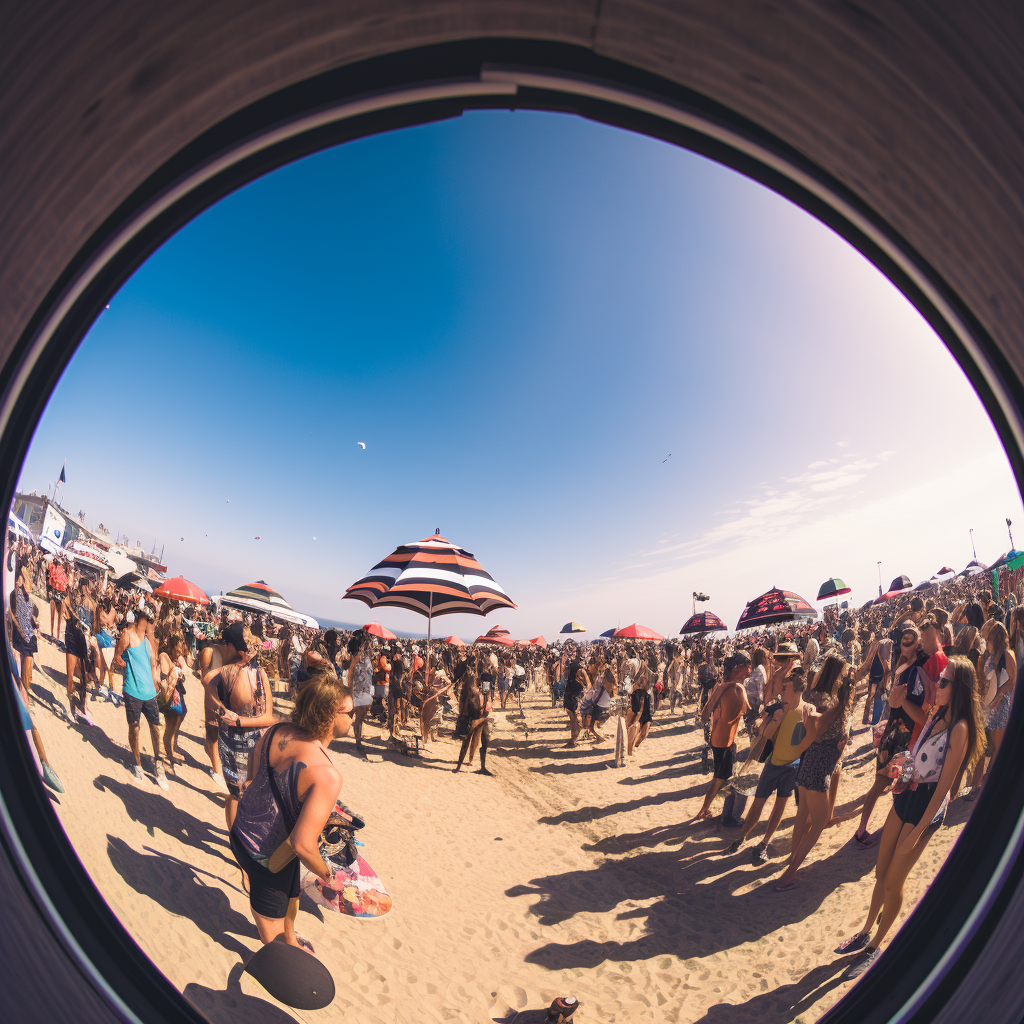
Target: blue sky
522	315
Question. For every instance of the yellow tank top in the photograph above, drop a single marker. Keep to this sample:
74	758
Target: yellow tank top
788	739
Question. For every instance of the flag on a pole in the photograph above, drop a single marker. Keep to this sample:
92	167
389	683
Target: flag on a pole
63	479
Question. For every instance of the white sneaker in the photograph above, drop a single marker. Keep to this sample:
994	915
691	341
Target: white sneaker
139	773
161	778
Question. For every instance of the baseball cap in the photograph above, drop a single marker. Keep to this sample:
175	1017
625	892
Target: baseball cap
235	635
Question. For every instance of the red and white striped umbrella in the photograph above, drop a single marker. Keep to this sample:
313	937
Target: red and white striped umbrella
432	577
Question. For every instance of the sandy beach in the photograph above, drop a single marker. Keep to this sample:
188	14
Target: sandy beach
560	875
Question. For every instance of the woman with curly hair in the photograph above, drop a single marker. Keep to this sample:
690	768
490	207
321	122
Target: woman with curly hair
953	736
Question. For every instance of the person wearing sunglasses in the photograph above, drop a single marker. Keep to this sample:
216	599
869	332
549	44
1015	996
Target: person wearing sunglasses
287	800
953	736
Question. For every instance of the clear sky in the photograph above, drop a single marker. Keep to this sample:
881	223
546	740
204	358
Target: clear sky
523	316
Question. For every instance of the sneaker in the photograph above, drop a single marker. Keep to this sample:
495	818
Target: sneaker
161	778
218	781
732	823
139	773
51	779
734	846
852	945
862	961
84	716
760	854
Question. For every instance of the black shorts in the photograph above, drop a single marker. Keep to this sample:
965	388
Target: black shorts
22	646
723	761
571	702
779	779
134	708
911	804
56	596
269	891
74	642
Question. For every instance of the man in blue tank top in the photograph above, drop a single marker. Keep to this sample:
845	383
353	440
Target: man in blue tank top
135	658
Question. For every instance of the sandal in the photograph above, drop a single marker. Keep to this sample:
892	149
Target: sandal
853	945
788	887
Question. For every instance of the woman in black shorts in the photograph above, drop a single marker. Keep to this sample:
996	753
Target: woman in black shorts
287	799
954	735
640	714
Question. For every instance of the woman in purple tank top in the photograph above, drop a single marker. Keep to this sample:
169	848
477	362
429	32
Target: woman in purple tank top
289	795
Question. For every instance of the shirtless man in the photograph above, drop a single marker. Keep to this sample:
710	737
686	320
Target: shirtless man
209	660
725	707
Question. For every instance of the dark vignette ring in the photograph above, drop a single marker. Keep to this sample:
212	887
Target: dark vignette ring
937	946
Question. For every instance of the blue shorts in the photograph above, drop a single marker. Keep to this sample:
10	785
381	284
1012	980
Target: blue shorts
104	639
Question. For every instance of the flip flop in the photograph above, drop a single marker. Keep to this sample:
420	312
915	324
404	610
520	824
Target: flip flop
788	887
305	944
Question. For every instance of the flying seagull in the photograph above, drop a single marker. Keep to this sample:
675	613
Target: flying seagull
362	444
663	461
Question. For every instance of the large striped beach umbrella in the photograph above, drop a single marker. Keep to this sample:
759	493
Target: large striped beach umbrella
637	632
775	606
702	622
573	627
432	577
258	597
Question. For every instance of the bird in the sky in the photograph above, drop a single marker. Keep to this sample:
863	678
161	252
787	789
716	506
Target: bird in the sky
362	444
663	461
257	538
229	501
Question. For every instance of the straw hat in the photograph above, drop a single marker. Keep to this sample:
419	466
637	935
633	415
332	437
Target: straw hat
786	650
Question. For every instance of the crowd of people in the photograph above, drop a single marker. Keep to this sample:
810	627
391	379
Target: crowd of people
936	674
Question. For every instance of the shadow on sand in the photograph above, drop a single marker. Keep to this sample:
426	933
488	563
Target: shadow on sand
231	1003
689	893
179	889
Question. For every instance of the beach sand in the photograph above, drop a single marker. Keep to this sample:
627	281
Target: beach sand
560	875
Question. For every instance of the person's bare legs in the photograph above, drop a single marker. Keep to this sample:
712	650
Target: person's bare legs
631	731
53	612
814	812
886	848
750	820
642	734
357	726
133	742
833	791
26	677
574	727
705	811
895	877
280	929
171	724
878	787
778	810
72	666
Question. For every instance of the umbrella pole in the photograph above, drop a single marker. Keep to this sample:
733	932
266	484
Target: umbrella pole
426	675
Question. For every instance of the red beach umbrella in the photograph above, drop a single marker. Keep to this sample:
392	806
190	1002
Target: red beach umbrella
495	638
539	641
376	629
638	632
180	589
455	641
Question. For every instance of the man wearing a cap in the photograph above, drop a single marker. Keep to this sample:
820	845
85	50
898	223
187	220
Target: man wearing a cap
210	659
135	658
